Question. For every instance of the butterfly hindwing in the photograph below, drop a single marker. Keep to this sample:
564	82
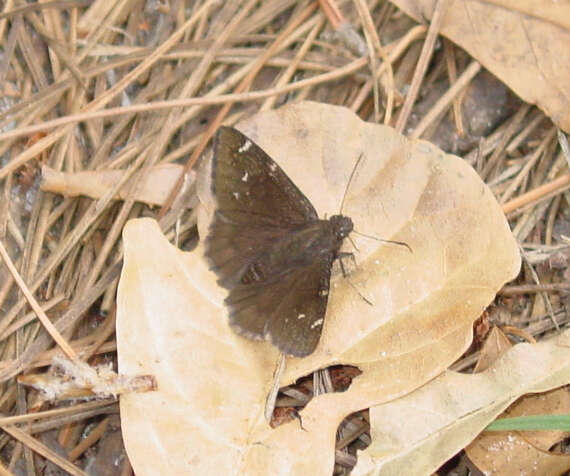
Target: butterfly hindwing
293	306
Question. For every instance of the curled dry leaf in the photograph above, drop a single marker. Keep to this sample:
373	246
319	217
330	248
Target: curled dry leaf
415	434
524	43
171	321
514	453
495	345
97	183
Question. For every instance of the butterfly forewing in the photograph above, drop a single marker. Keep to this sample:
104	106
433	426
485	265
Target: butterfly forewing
256	203
246	180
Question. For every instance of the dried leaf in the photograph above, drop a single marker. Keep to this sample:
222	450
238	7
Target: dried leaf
415	434
513	453
96	183
171	321
496	344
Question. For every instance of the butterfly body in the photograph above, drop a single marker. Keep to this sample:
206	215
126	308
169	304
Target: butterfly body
269	248
297	249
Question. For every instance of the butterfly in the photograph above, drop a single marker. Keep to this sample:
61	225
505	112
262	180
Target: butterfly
268	247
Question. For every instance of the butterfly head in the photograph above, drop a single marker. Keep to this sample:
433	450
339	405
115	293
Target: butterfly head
342	226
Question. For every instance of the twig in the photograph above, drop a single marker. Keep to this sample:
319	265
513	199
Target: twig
94	435
542	192
43	450
563	141
375	48
373	43
534	288
272	395
56	412
332	13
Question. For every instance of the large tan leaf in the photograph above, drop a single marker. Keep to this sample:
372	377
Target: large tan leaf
212	383
524	43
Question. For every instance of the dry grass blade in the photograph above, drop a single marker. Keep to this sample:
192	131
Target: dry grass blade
57	337
427	50
44	451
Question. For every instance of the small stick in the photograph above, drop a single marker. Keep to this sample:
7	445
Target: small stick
520	333
563	141
498	154
518	180
332	13
272	395
555	186
375	48
43	450
534	288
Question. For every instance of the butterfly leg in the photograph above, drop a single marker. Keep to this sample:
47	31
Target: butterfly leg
345	254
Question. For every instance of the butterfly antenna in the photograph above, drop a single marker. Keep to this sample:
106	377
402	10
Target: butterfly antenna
350	181
399	243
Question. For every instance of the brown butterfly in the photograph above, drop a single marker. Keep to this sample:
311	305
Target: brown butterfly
269	248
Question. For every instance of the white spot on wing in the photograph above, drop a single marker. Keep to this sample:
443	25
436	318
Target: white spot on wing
245	147
301	316
317	323
273	167
245	176
236	195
